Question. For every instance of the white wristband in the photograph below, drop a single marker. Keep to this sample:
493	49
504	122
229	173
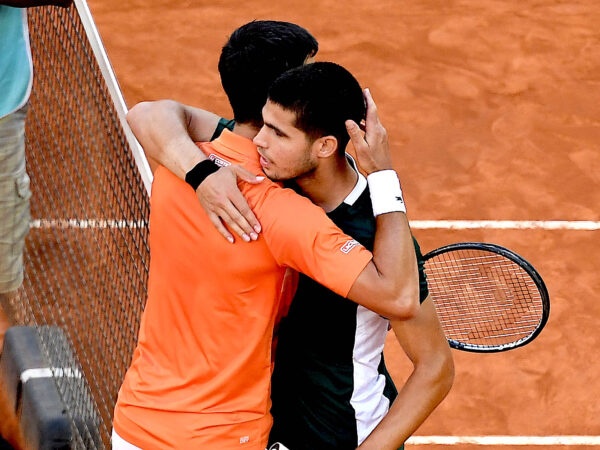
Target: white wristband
386	194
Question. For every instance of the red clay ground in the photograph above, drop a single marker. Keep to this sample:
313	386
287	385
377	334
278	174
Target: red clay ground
493	114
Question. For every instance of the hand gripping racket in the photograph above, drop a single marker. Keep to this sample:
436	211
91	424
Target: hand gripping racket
488	298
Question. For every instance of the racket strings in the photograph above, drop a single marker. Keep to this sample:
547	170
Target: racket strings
483	298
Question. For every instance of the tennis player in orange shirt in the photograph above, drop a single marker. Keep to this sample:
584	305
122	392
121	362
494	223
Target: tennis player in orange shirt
201	371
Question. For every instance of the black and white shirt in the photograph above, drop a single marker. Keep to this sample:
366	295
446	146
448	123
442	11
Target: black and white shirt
330	386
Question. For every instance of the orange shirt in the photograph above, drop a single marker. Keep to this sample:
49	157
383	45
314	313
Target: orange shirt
200	374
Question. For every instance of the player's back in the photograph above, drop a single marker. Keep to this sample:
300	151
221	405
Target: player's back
202	365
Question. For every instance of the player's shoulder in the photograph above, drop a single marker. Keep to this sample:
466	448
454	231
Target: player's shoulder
283	212
271	198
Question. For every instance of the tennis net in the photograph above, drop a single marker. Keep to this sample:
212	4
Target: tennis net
86	257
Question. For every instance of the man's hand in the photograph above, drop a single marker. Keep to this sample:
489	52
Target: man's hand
372	149
225	205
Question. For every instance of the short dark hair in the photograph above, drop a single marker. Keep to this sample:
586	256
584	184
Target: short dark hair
256	54
322	95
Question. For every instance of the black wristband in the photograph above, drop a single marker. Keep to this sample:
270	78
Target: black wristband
199	172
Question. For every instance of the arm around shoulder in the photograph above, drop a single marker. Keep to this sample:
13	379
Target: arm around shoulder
168	131
389	284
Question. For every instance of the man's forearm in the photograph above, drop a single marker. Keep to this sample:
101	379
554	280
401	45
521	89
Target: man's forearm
424	343
414	404
167	133
389	285
393	249
394	256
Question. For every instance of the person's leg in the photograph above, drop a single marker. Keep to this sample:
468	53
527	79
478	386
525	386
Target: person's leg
14	214
4	322
11	313
10	430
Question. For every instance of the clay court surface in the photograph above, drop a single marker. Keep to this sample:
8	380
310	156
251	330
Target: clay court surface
493	115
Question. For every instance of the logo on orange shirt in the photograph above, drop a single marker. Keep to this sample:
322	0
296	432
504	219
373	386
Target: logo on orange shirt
348	246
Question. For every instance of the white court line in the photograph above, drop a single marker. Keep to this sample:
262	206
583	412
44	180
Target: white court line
504	440
416	224
49	372
583	225
586	225
87	223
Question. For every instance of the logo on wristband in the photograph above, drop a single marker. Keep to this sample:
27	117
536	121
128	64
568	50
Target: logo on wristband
218	160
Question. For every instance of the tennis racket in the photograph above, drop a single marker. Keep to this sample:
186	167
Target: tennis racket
488	298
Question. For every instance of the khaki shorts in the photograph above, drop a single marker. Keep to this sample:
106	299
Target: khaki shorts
14	200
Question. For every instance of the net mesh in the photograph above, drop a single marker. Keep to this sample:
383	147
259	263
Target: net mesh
483	299
86	258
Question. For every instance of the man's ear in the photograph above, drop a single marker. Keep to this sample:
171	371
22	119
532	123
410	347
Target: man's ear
326	146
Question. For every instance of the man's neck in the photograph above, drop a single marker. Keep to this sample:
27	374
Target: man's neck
246	130
329	184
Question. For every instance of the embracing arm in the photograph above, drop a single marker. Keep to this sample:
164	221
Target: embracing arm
168	132
423	341
389	284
